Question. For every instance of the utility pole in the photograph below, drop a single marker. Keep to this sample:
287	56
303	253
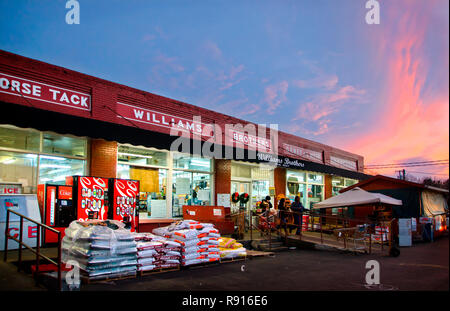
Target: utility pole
402	174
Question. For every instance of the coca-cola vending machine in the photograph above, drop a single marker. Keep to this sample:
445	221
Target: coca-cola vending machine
123	200
57	209
90	197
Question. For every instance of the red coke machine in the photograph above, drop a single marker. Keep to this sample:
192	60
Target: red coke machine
57	210
88	197
124	197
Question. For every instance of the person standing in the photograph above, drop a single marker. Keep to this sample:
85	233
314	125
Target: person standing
298	209
268	201
282	214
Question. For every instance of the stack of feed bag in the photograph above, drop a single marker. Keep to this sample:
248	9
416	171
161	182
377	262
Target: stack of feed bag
199	241
230	248
156	252
100	248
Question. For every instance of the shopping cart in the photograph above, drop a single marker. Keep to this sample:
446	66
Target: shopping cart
266	222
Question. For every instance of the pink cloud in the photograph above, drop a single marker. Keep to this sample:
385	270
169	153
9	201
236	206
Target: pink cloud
275	95
323	105
413	122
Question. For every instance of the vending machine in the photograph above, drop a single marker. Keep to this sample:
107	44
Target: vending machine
124	202
57	209
90	197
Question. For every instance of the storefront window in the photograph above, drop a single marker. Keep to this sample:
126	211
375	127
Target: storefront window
39	160
315	178
339	183
350	182
64	145
309	190
315	194
141	156
190	189
55	169
19	168
295	176
18	138
152	186
187	162
296	189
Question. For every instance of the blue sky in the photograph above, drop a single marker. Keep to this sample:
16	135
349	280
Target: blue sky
313	67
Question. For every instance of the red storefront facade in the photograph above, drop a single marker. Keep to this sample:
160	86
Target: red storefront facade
45	97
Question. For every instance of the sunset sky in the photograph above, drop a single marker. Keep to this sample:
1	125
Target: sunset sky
313	67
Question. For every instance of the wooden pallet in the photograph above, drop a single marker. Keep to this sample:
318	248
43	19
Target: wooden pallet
201	265
158	270
107	278
252	254
226	260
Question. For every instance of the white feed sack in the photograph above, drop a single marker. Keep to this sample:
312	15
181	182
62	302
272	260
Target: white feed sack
100	248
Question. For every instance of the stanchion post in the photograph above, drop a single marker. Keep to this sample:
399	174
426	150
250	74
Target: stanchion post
251	226
321	236
59	262
38	249
20	243
5	256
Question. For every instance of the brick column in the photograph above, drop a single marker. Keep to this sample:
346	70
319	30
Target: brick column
222	176
103	159
279	177
328	186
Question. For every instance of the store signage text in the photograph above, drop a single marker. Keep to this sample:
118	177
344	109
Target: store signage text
155	118
10	189
44	92
249	140
285	162
304	153
32	232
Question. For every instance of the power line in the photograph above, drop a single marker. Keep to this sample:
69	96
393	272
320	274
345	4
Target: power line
406	163
428	173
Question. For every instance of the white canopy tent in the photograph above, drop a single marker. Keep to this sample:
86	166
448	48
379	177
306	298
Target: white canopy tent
356	196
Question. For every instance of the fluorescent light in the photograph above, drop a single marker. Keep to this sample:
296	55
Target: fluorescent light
52	158
33	156
54	166
9	161
135	155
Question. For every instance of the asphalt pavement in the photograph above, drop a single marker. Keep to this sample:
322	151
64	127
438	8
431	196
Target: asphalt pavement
422	267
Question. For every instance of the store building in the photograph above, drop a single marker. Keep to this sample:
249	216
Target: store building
56	122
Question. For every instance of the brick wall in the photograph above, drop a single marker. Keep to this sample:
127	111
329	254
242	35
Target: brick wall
106	94
279	177
103	159
328	186
222	181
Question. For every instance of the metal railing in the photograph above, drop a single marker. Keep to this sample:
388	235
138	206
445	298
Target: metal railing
38	242
343	227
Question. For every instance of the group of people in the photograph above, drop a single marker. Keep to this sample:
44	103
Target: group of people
283	209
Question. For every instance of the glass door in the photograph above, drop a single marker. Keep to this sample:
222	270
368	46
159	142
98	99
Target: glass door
240	187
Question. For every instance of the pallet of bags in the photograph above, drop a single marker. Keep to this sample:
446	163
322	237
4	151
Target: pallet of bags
231	249
101	249
198	240
157	253
199	243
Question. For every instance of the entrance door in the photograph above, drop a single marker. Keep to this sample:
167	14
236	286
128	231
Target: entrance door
240	187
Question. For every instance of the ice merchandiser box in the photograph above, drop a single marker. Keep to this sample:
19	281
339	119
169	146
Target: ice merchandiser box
25	204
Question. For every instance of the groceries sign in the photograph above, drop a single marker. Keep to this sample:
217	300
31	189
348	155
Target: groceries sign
44	92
